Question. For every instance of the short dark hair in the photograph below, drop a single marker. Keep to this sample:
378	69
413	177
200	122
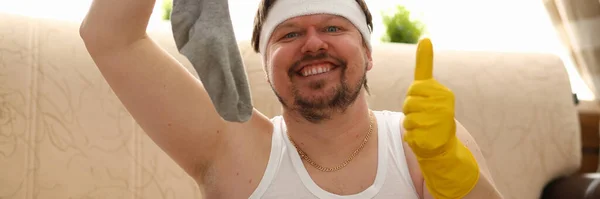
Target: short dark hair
265	6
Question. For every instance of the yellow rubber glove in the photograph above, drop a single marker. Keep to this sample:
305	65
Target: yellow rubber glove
448	167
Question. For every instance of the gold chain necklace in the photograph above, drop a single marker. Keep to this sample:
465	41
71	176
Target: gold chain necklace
304	156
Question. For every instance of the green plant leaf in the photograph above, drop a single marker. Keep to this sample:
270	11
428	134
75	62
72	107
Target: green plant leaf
167	8
400	28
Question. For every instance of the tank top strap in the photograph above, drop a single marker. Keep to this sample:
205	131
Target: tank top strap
275	158
394	131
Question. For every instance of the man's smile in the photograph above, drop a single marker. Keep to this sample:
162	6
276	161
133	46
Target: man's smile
315	70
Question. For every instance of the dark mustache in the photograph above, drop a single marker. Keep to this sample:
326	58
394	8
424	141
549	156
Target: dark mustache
311	57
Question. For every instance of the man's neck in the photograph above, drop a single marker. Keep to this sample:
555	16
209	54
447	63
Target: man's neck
333	138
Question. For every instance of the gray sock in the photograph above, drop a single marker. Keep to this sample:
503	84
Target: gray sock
203	33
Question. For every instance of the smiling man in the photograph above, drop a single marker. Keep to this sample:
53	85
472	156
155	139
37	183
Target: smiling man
327	143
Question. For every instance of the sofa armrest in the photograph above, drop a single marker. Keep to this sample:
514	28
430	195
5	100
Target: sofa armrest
589	122
579	186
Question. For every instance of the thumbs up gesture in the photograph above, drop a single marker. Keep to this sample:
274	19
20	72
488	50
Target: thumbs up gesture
449	168
429	108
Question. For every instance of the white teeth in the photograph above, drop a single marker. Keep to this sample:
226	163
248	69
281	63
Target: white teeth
316	70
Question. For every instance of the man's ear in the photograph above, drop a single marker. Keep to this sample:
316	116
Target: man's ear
267	75
267	78
368	54
369	60
265	71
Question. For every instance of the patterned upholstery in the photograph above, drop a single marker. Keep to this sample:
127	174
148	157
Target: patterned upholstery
64	134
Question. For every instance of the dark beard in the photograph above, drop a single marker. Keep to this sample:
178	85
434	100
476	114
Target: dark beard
318	110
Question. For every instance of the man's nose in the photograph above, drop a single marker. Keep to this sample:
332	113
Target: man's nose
314	42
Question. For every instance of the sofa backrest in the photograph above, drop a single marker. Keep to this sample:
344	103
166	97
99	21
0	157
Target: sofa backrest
63	132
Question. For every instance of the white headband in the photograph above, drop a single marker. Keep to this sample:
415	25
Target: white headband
283	10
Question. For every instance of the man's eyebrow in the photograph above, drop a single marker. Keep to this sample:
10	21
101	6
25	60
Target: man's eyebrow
283	26
330	18
286	25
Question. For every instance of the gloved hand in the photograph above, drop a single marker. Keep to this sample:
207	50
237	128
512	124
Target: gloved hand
449	168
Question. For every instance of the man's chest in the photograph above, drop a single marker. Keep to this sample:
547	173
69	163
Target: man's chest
240	177
355	179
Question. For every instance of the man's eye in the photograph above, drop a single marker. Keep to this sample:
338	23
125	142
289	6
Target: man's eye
290	35
332	29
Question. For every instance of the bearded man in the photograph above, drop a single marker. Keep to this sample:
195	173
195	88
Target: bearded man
327	143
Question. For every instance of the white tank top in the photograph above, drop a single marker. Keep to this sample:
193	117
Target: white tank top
286	176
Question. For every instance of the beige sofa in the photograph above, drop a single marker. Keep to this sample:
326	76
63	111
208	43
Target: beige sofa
64	134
